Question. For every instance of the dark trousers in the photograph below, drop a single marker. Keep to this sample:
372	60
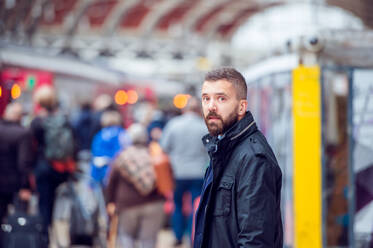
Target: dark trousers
5	200
181	223
47	180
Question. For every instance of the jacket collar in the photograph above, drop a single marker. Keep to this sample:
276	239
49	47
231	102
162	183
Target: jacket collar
239	130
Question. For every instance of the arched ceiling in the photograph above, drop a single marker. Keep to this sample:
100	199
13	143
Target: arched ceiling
176	34
218	18
215	19
130	29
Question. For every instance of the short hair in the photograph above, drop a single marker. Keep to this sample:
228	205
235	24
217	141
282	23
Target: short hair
13	111
102	102
46	97
111	118
232	76
193	105
138	133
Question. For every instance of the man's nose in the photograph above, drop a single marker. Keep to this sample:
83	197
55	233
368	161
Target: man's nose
212	105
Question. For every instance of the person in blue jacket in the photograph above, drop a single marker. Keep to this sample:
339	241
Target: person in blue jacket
106	144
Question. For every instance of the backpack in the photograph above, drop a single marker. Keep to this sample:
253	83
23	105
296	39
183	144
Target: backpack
58	137
135	166
162	169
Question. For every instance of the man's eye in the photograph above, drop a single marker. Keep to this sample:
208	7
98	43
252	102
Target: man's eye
221	98
205	99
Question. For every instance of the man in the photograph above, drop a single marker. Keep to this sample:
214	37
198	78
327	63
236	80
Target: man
240	200
181	140
16	158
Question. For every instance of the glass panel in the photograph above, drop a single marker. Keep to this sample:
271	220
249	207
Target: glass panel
363	156
335	166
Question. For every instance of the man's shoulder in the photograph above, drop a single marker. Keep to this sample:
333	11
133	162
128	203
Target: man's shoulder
14	131
180	121
250	146
171	123
255	147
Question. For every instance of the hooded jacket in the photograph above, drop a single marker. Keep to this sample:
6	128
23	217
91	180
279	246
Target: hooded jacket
240	201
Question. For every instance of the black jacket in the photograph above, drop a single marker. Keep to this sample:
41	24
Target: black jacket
16	157
241	207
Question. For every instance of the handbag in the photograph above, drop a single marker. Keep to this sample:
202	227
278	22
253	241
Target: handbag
162	168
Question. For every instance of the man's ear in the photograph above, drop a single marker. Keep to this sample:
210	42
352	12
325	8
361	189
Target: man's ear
242	107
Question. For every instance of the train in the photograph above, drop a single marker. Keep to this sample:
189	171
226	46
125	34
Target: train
318	118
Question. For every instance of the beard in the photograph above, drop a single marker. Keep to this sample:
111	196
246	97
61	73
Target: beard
220	126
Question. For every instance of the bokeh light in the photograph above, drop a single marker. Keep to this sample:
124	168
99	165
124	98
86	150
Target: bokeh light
181	100
132	96
121	97
15	91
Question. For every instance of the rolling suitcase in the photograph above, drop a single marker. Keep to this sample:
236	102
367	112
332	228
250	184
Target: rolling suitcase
21	229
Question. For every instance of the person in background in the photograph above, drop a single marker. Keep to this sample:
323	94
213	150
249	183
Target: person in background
83	125
131	192
79	215
156	125
162	167
101	104
240	200
16	158
106	144
55	145
181	140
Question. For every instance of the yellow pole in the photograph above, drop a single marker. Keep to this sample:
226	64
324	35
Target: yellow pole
307	157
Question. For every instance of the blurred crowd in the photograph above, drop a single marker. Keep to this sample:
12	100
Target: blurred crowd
87	179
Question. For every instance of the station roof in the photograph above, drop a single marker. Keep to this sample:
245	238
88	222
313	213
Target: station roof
209	18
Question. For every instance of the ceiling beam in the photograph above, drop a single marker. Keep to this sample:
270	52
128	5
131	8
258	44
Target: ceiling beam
227	15
115	17
203	8
151	21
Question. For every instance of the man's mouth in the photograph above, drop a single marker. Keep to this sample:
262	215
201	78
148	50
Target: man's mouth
213	116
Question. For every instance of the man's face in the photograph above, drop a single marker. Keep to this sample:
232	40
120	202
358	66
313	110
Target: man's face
221	108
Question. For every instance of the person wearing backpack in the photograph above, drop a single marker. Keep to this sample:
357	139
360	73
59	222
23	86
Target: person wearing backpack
132	193
53	137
